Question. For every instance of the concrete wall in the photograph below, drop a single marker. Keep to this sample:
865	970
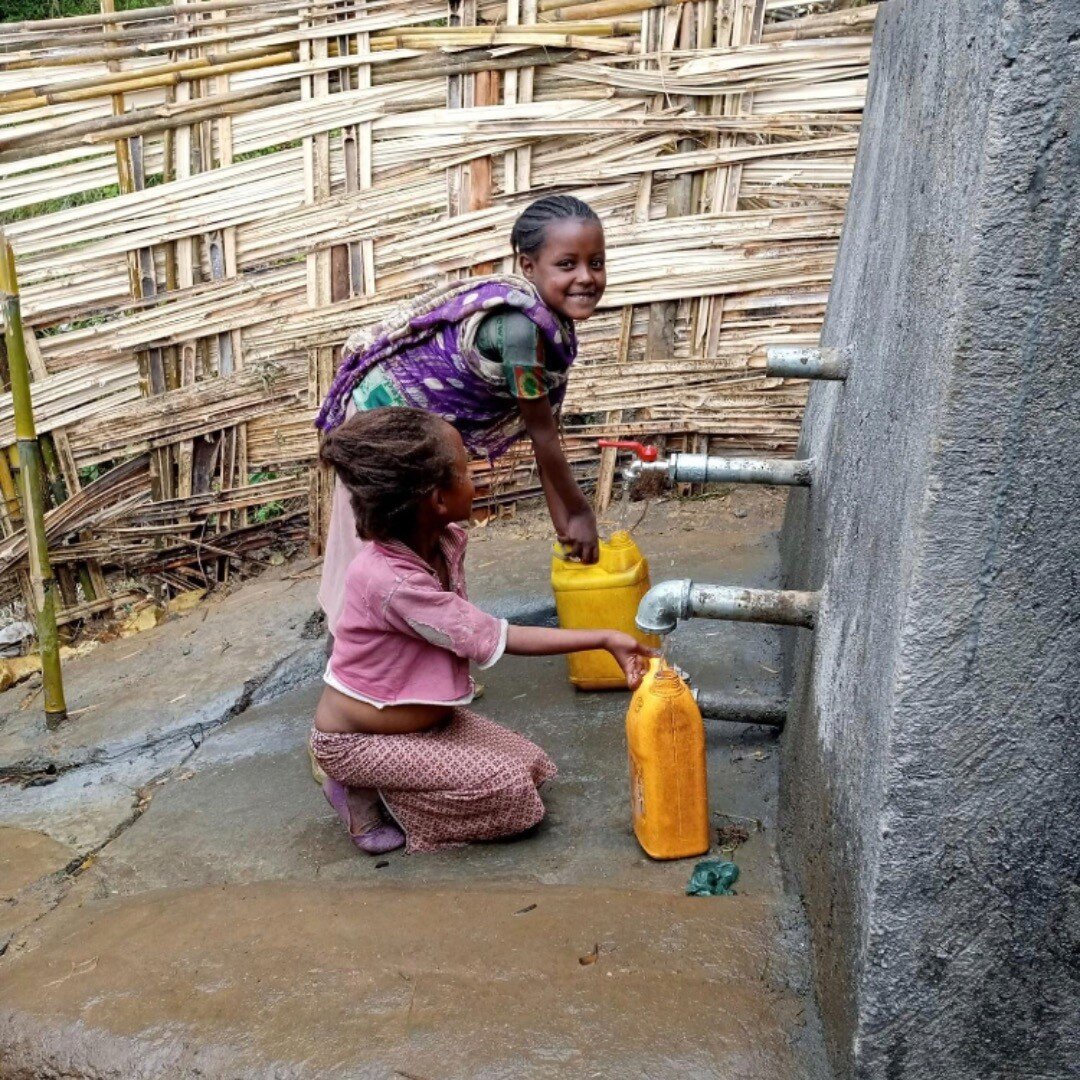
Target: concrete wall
931	763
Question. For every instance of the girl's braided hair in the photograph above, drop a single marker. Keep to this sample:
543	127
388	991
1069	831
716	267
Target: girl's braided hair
389	460
529	231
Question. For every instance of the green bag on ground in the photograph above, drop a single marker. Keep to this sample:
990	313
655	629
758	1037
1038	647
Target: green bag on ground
713	877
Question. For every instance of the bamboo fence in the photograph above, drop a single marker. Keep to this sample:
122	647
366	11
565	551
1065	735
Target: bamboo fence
206	197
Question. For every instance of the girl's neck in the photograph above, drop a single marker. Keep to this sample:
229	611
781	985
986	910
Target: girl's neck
425	542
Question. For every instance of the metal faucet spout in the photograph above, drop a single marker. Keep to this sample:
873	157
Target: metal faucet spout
663	606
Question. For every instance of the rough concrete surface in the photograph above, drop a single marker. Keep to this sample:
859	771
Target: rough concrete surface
230	929
930	767
141	705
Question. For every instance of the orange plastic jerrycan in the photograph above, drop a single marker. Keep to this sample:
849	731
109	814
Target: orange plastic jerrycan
601	596
669	791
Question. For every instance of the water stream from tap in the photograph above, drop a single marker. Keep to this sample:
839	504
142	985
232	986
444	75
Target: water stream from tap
665	652
624	506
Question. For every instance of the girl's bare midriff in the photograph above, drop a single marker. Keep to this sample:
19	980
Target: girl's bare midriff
339	714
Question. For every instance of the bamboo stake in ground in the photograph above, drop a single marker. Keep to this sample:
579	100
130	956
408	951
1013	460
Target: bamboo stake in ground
30	475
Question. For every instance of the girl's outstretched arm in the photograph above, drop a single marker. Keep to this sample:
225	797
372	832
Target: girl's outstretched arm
549	641
575	523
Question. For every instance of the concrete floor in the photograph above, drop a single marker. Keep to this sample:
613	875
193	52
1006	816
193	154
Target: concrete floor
230	929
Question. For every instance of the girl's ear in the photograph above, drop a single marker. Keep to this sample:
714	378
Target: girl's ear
528	267
436	500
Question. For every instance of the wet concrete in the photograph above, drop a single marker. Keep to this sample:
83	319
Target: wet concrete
206	666
26	856
230	926
32	877
438	982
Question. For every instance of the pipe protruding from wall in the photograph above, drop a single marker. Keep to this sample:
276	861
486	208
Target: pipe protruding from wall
706	469
716	705
792	362
665	604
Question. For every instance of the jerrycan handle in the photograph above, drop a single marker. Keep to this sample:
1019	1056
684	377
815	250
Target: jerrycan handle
646	453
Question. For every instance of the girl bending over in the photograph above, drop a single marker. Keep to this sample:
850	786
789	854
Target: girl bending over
492	355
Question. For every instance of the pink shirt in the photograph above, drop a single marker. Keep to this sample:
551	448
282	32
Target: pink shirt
401	638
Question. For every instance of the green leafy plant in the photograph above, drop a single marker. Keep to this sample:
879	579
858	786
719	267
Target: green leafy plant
268	512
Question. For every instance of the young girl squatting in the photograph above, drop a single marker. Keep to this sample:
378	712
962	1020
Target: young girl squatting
394	715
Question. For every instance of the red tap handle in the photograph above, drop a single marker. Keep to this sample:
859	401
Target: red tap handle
646	453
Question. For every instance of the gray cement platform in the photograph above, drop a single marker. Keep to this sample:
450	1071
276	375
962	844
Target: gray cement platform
206	915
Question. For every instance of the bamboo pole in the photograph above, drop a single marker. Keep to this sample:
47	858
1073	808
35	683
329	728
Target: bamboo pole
72	22
12	509
134	123
564	11
183	261
30	475
131	84
592	38
99	81
459	13
319	279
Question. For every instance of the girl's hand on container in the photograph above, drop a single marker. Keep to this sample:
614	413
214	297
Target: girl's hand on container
633	657
580	537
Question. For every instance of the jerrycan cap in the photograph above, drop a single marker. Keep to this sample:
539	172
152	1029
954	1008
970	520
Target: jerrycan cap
621	539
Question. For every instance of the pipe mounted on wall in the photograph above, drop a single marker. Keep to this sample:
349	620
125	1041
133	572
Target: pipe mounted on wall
705	469
790	362
665	604
716	705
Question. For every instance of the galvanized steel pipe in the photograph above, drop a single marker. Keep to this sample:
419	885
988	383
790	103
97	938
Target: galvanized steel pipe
665	604
716	705
705	469
702	469
790	362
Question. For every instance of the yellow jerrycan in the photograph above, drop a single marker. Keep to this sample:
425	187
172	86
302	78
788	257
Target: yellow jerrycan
601	596
669	792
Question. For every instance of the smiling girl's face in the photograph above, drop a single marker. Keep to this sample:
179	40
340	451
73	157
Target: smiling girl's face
569	270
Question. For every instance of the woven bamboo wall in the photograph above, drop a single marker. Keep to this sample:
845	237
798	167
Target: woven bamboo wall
255	178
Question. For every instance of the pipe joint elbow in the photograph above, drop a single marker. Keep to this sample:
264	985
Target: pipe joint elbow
663	606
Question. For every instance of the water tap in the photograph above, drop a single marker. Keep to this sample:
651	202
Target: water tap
682	468
646	457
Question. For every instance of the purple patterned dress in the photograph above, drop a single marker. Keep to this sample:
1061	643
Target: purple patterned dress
428	348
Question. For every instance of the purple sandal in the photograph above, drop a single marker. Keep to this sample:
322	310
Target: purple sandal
377	840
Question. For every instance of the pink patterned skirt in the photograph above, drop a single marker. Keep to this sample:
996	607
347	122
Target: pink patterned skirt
470	779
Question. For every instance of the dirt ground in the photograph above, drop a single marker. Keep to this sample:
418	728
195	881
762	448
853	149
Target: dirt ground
179	900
